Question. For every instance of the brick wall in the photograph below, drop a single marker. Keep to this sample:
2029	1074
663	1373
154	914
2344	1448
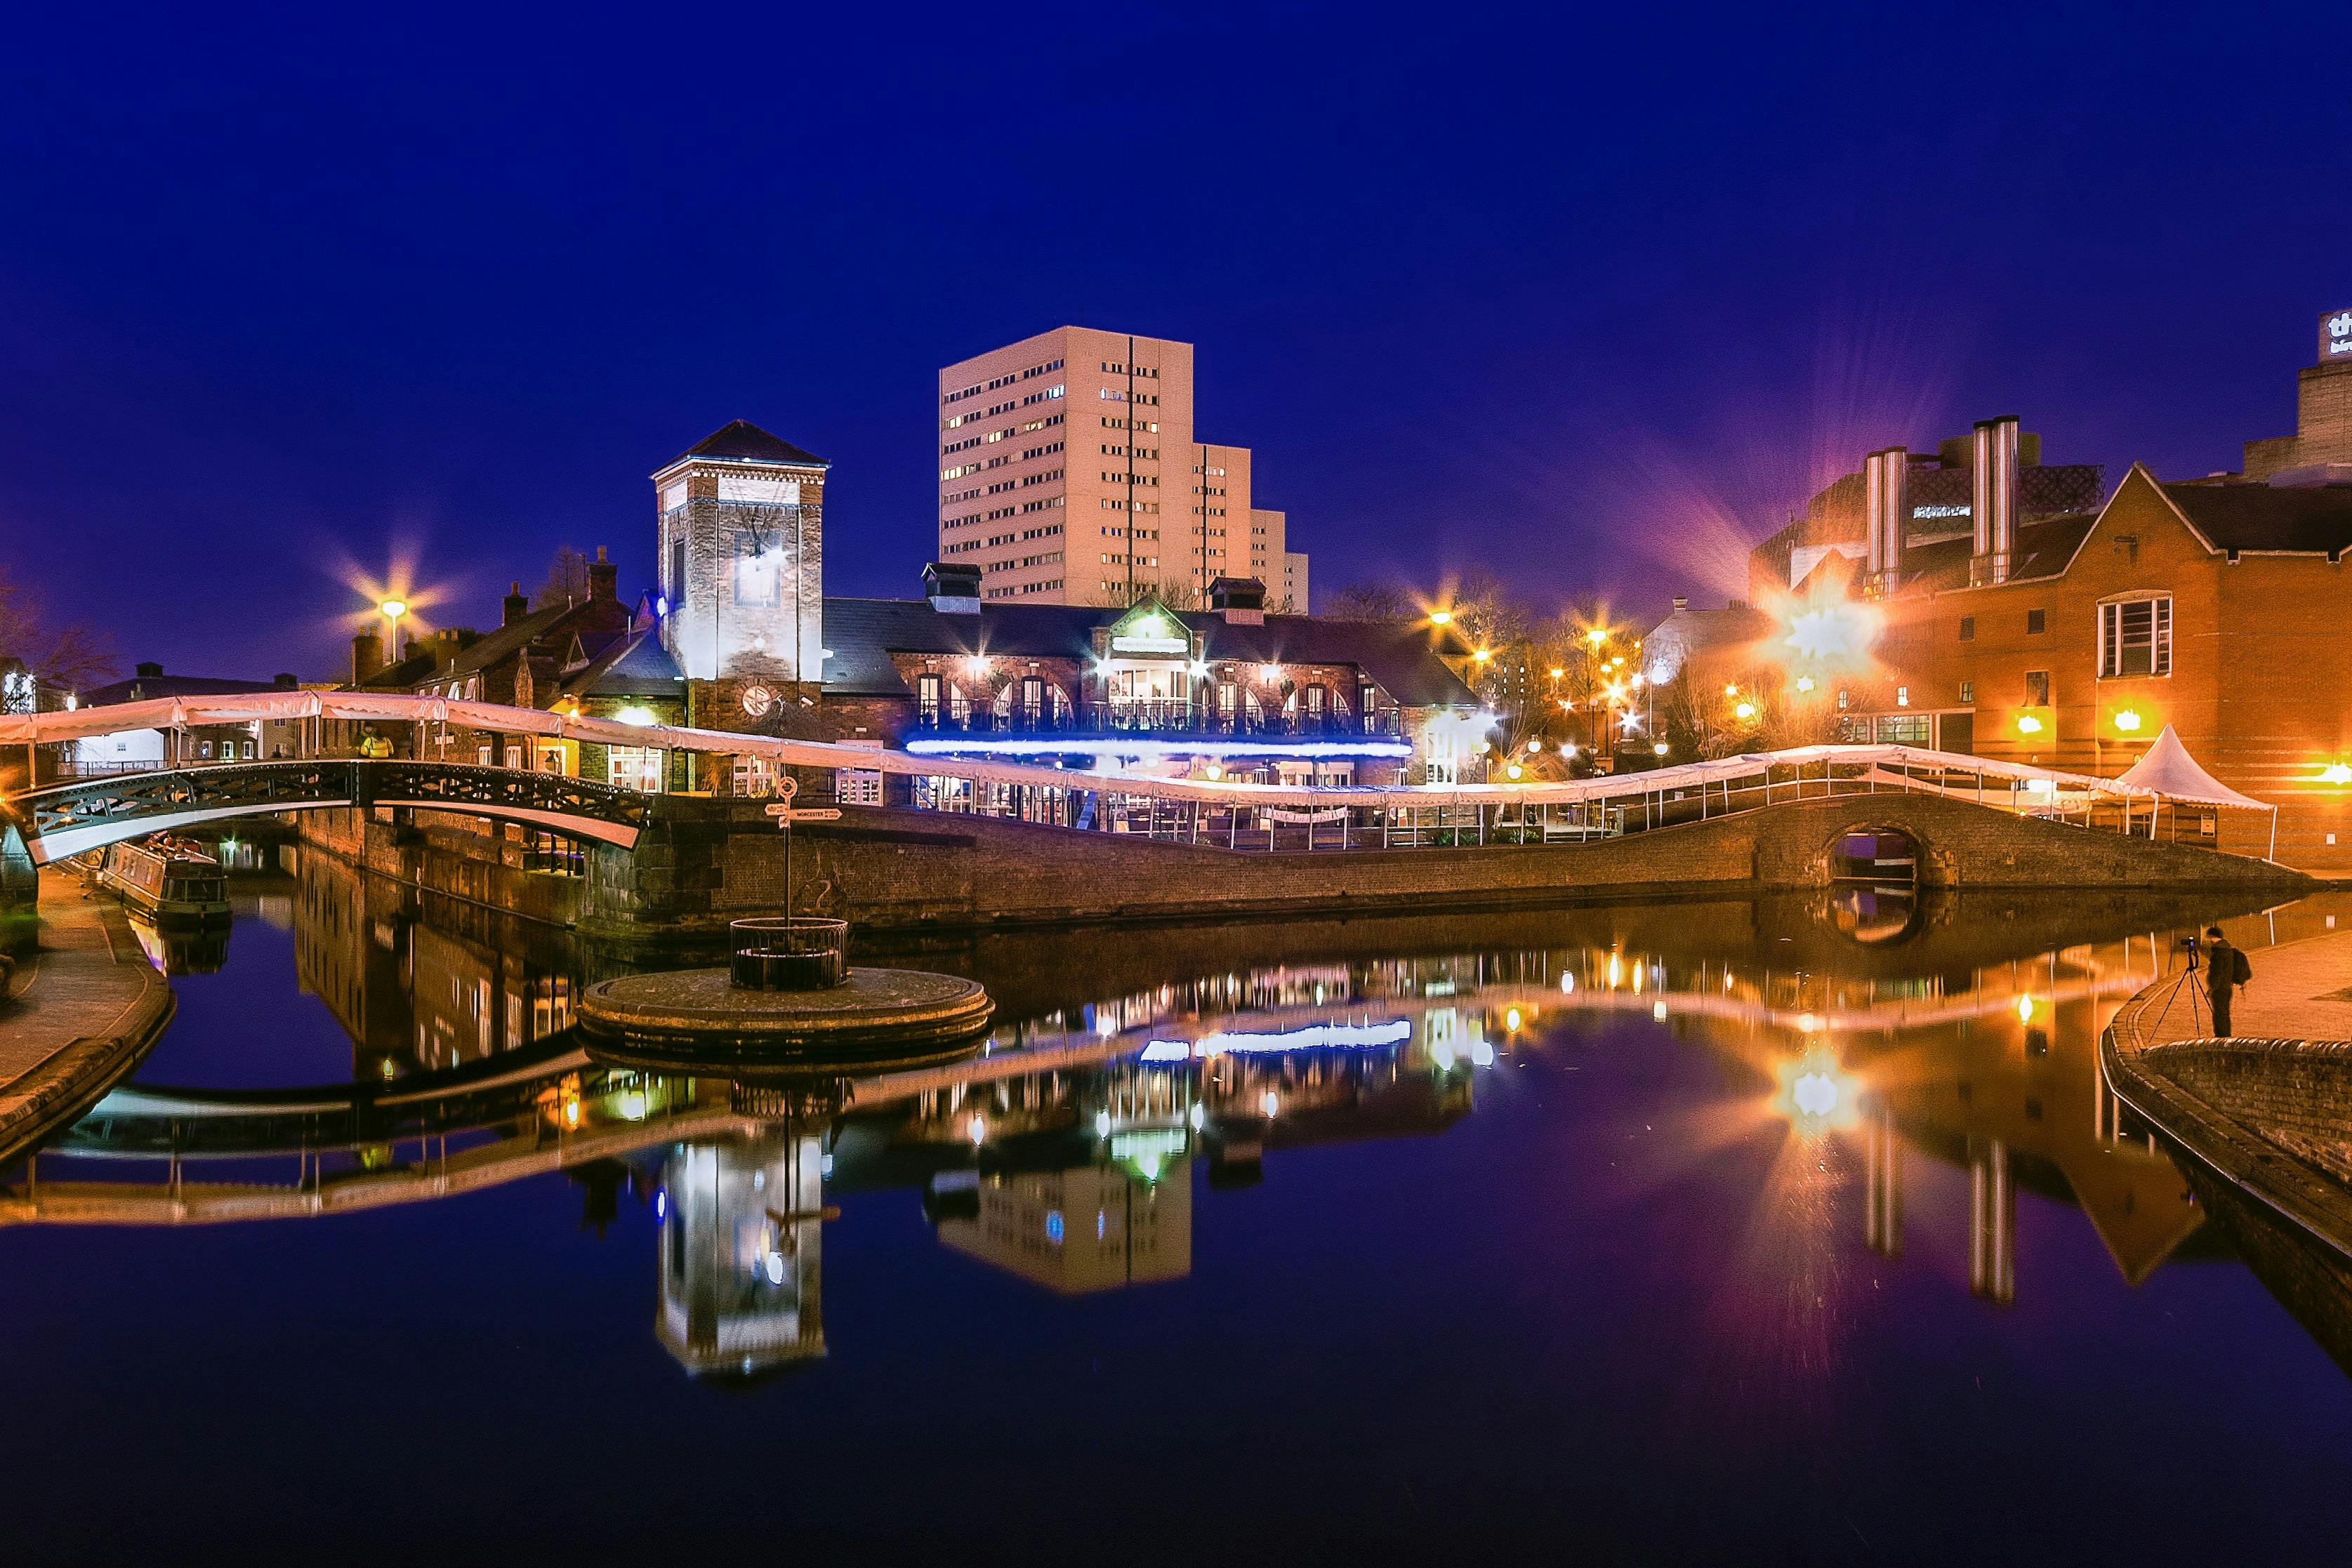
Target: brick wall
704	861
2260	665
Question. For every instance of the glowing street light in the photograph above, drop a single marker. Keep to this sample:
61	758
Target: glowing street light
2127	719
2336	773
1804	683
2028	725
1441	618
393	608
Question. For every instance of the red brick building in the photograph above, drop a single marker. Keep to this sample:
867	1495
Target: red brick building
2218	607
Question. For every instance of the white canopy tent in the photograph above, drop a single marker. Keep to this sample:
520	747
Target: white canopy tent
2171	773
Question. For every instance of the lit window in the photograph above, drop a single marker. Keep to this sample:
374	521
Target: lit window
635	768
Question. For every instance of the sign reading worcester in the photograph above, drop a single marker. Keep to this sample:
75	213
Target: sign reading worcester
2334	337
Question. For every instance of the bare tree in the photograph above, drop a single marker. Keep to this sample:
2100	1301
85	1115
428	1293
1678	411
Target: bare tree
567	580
67	659
1371	600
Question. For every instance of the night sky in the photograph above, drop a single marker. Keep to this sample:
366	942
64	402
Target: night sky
1591	296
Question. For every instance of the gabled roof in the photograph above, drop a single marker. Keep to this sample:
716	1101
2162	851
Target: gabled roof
860	635
629	666
2311	520
494	647
740	438
2044	548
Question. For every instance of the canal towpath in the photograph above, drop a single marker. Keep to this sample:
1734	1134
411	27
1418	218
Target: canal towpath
2262	1110
78	1011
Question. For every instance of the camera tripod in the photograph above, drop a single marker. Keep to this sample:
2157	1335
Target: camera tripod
2180	982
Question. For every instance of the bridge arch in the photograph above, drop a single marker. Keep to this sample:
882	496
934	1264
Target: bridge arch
65	820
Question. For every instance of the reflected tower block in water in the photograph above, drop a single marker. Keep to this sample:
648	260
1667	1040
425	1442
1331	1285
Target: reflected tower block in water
1992	1222
1094	1228
740	1223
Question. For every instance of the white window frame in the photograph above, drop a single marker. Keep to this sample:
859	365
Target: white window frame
638	768
2111	646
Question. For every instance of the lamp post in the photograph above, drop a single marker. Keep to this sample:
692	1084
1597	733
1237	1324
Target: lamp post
392	610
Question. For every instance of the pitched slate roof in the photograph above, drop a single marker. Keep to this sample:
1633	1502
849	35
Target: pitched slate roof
142	688
492	647
860	635
2043	548
2314	520
741	439
630	666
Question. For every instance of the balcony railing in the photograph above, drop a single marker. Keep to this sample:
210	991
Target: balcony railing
1157	719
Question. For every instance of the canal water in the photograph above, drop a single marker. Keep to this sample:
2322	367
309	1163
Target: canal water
1792	1230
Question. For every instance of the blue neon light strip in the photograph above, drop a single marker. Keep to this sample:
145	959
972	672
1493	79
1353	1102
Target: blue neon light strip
1312	1038
1207	746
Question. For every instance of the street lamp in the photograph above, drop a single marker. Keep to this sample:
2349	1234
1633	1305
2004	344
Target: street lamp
392	610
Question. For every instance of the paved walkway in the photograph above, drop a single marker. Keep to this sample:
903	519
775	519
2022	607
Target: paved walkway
2301	990
2269	1109
77	1011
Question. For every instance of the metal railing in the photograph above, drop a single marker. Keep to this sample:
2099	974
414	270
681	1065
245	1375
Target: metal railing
1156	718
788	954
1642	805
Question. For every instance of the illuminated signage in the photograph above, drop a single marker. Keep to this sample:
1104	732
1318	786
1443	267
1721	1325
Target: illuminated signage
2335	336
1152	634
1939	511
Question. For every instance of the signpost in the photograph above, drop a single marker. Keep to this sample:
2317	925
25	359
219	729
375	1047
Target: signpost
786	814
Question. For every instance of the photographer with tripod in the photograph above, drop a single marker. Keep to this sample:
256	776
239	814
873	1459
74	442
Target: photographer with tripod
2226	969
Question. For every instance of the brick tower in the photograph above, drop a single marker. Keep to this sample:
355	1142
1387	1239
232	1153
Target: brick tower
741	526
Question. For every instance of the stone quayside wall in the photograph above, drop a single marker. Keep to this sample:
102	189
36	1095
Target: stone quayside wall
705	862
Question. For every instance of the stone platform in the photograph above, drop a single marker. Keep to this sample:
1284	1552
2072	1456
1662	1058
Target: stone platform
694	1015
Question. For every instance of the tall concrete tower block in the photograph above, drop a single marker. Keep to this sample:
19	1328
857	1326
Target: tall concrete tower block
741	574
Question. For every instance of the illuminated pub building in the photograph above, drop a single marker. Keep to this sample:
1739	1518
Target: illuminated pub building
1231	692
737	634
2217	606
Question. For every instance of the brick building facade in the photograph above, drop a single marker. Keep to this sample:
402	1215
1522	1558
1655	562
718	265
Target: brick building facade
2217	607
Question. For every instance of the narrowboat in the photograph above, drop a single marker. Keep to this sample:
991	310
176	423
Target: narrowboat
168	880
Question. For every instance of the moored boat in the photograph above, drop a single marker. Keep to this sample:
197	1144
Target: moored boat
169	880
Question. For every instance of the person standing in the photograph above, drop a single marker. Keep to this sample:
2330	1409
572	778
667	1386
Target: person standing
2226	969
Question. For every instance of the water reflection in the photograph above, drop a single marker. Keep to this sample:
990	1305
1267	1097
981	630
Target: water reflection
1064	1154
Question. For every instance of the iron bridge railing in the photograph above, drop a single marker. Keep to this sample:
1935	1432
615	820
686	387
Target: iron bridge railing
65	813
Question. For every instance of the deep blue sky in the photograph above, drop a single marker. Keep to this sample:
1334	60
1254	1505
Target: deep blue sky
1584	296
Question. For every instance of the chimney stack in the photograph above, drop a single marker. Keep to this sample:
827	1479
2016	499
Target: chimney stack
1993	498
1886	504
1681	603
367	656
515	606
603	577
